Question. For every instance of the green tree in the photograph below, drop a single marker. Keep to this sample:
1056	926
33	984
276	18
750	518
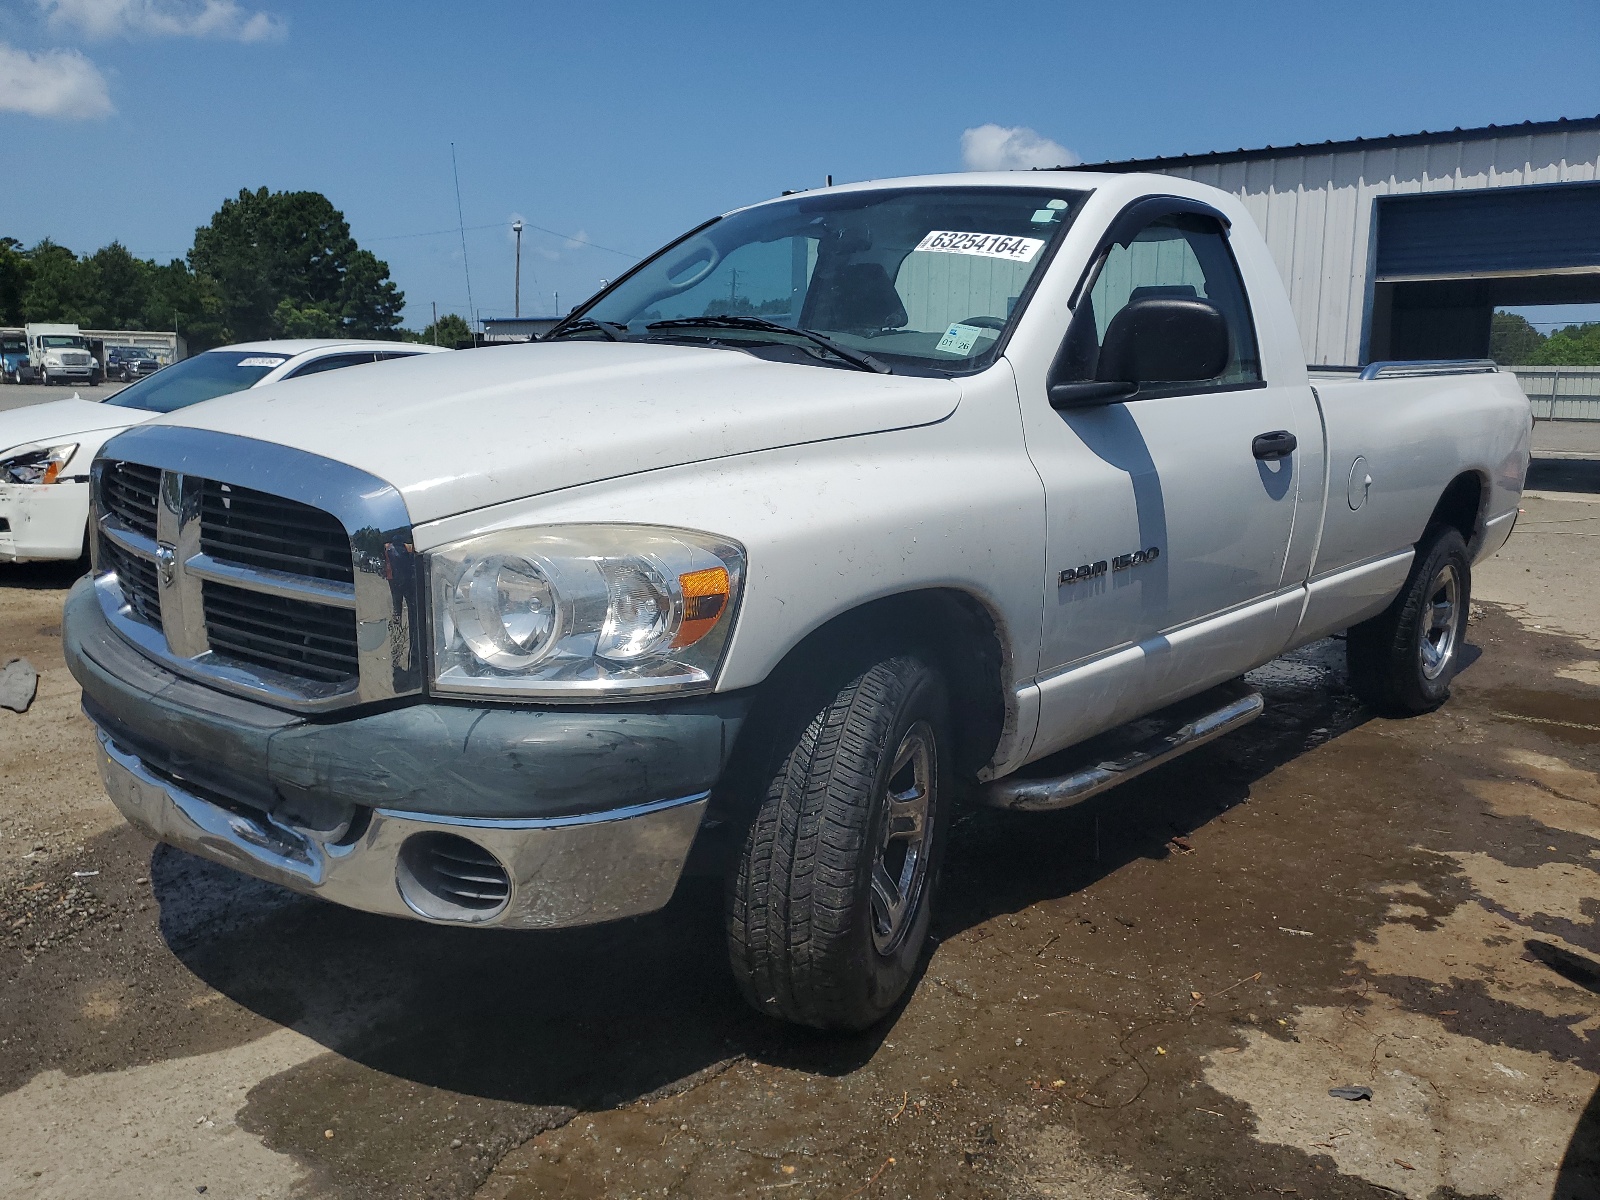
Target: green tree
16	272
180	300
60	288
286	260
370	304
117	287
1512	341
450	330
1573	346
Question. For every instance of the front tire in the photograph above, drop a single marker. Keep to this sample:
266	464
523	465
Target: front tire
1402	661
829	905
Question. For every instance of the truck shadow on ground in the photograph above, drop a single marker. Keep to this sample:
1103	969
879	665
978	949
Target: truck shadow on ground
600	1016
1564	475
41	575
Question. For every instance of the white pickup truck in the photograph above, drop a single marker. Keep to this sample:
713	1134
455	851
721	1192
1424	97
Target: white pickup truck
841	506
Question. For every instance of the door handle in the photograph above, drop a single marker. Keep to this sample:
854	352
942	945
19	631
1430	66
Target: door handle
1280	443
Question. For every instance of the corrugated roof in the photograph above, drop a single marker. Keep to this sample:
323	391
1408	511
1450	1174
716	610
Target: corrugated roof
1302	149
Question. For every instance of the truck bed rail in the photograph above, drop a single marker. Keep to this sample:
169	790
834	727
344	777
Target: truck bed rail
1409	368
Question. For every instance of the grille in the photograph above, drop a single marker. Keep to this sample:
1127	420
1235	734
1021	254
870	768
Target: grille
128	491
312	641
259	584
258	530
444	874
74	360
137	577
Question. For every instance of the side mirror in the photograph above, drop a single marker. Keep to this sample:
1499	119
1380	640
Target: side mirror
1162	339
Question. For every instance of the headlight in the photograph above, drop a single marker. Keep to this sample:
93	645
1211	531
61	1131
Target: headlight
582	610
40	464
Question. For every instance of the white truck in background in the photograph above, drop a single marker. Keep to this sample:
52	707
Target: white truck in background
61	354
836	506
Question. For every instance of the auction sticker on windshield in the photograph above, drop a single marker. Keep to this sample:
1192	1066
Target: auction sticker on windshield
261	362
985	245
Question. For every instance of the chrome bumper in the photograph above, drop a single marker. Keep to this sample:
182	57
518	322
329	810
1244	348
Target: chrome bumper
558	871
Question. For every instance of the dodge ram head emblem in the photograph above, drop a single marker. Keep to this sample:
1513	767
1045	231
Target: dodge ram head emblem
166	563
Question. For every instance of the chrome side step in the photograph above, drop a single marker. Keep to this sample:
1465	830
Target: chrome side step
1155	739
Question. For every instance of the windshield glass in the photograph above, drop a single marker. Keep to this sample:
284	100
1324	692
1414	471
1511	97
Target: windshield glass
203	377
917	278
59	342
10	346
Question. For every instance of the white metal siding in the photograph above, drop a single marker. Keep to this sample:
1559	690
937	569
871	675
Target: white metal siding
1315	210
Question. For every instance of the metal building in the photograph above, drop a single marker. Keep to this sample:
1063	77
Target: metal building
1403	246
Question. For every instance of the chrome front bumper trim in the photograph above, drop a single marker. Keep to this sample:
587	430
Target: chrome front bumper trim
563	871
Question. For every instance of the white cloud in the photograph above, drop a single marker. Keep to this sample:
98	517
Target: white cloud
1012	148
163	18
53	83
578	241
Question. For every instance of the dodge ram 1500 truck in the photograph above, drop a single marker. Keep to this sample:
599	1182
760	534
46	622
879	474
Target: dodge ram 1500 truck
839	507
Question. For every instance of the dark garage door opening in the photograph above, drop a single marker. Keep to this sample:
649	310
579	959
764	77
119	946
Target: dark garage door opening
1446	261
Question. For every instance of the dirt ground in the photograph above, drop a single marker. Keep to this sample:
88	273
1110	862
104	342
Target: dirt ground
1148	996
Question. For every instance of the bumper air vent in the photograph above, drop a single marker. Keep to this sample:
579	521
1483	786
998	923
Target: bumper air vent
448	878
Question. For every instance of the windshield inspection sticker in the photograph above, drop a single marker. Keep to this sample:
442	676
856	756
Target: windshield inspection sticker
260	362
985	245
958	339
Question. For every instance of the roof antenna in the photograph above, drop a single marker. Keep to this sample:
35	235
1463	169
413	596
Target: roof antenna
830	181
462	225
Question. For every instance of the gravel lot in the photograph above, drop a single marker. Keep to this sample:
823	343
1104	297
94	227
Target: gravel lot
1147	996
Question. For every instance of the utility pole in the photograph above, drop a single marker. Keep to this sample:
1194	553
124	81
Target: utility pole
435	322
516	228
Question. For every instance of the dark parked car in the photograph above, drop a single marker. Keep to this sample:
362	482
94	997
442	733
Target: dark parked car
128	363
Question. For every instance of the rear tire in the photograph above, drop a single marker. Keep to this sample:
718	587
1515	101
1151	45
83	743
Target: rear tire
1402	661
829	905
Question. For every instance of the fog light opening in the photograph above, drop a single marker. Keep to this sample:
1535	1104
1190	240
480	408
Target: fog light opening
445	877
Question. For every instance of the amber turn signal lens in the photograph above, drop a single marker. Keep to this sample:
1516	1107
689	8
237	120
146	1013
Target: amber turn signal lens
705	595
52	471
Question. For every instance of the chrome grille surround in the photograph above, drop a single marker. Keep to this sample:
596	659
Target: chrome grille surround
380	590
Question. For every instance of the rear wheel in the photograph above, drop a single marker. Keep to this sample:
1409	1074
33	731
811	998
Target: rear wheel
828	908
1402	661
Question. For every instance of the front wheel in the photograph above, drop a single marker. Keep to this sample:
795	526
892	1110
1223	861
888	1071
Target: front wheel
1402	661
828	908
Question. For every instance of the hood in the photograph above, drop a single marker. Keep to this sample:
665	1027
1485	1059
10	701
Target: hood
63	420
458	432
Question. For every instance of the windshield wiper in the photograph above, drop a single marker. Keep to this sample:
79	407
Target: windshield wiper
855	358
584	324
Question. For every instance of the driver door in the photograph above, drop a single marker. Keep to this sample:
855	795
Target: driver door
1166	534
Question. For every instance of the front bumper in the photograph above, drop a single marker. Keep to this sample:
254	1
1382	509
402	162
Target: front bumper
588	814
558	871
42	522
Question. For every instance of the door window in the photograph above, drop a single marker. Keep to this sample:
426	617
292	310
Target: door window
1183	256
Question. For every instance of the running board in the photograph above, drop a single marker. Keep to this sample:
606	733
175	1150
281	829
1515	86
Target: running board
1138	746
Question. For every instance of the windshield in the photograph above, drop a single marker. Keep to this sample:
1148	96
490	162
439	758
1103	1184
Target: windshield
12	347
203	377
56	342
918	278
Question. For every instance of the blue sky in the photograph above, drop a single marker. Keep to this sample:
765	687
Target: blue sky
623	124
